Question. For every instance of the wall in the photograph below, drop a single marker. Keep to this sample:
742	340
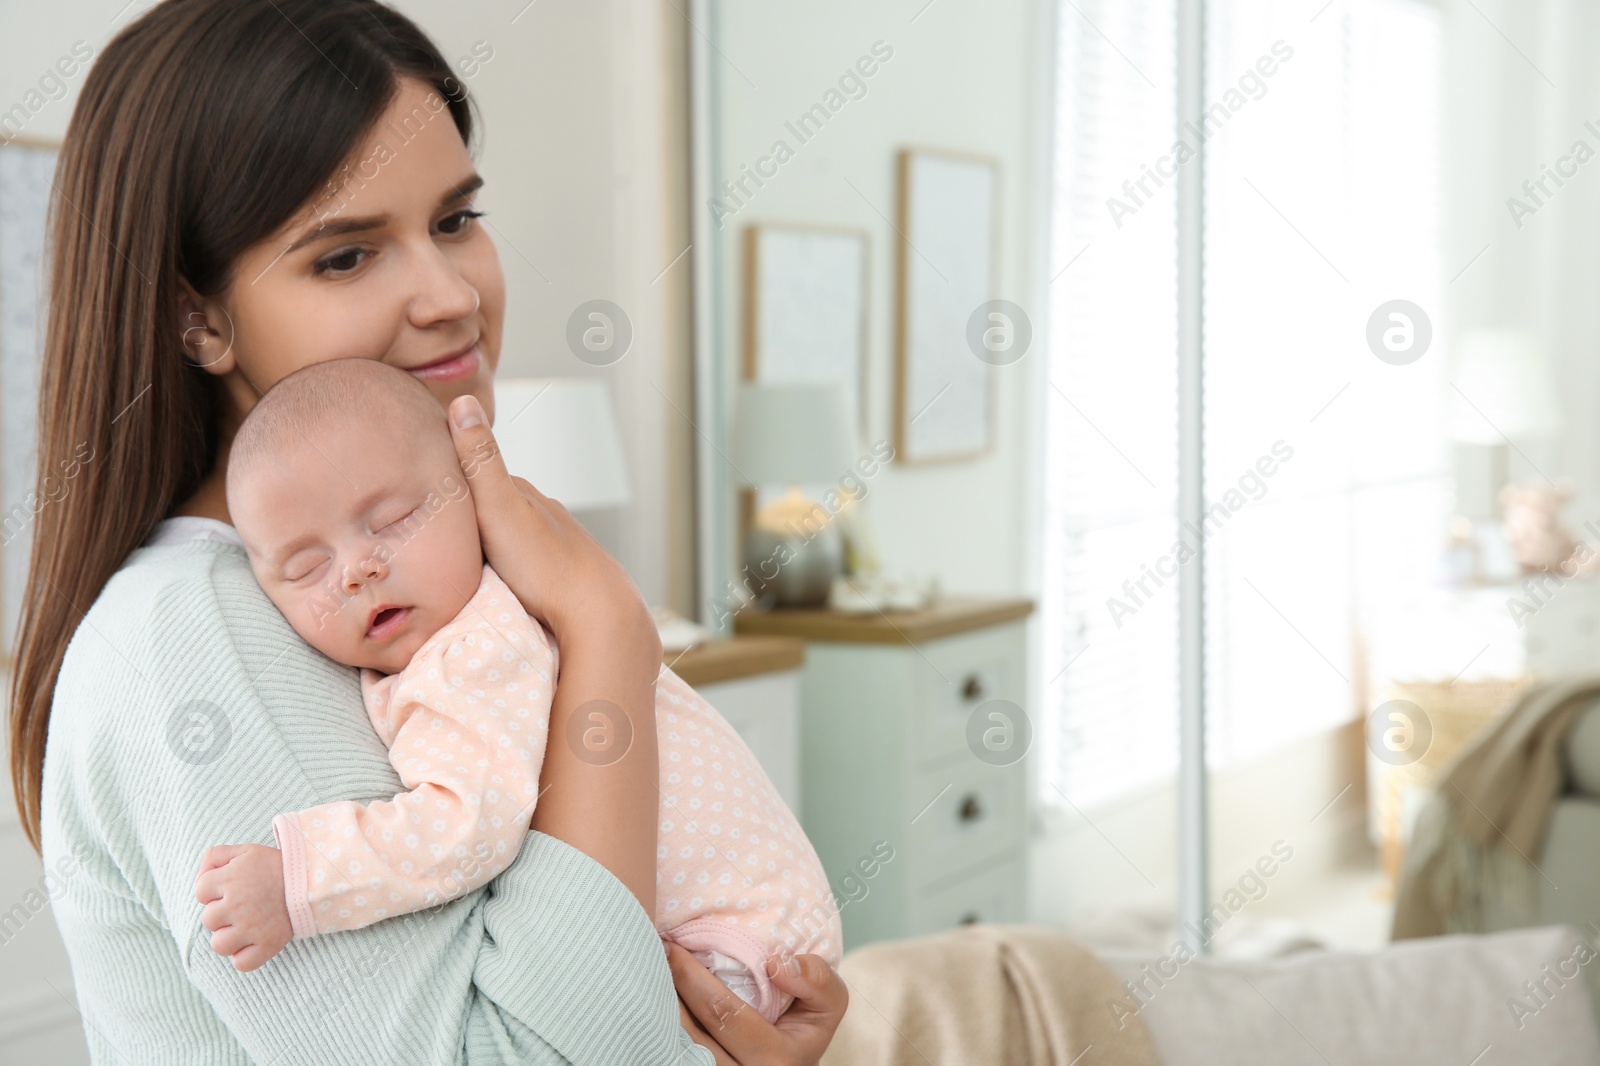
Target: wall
960	76
1521	89
581	143
584	126
584	152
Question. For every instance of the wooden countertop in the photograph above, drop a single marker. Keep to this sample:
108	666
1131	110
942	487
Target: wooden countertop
951	615
736	657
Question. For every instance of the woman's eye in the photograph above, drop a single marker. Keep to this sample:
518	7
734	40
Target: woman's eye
339	262
462	220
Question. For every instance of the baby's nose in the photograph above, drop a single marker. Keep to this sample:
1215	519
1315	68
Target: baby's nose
369	569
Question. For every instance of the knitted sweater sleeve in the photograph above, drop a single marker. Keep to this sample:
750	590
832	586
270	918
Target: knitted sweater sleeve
187	713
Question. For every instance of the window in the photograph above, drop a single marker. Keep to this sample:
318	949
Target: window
1325	466
1111	465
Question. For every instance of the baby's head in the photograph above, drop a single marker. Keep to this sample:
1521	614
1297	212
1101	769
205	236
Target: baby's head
344	485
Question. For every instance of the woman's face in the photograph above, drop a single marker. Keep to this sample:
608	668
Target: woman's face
388	263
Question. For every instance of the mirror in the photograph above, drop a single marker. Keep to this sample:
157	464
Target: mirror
1352	237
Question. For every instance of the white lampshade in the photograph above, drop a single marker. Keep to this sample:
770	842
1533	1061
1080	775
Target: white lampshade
561	434
792	434
1508	389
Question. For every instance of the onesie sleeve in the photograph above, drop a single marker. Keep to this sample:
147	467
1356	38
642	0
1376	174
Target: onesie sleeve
469	719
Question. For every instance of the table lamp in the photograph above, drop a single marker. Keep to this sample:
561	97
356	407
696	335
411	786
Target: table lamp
1506	393
1508	386
792	435
561	434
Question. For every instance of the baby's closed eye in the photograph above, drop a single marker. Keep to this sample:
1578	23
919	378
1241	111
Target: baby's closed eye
303	569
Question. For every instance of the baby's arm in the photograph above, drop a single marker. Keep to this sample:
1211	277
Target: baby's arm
472	773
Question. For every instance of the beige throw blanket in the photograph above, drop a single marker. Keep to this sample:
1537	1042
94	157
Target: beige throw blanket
1480	833
990	994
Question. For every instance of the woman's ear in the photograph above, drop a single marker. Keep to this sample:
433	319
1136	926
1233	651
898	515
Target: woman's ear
205	329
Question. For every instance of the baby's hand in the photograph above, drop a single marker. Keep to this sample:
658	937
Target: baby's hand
241	886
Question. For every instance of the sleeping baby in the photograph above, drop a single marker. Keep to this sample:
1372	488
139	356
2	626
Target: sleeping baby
345	487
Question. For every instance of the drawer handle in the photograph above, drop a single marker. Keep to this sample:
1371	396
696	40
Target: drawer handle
972	688
970	918
970	810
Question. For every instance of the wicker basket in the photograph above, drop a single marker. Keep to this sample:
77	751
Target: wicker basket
1457	712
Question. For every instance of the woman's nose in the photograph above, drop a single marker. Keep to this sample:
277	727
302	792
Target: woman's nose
441	293
371	568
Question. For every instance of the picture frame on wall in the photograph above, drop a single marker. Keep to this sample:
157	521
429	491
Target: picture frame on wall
806	315
806	292
27	168
947	269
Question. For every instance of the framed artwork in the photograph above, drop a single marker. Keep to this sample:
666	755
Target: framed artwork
805	318
26	169
806	308
948	255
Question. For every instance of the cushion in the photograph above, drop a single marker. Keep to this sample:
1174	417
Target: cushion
1440	1001
1583	753
1568	875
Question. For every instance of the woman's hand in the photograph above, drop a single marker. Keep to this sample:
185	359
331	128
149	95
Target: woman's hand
738	1036
558	571
600	798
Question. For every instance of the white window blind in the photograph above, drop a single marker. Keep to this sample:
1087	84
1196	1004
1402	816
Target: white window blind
1111	715
1309	227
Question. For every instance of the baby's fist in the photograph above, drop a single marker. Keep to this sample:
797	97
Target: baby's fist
241	886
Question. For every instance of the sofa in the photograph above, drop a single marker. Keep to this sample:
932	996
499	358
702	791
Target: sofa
1569	888
1525	997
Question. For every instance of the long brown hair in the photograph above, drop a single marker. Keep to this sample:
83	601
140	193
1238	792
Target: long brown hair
202	128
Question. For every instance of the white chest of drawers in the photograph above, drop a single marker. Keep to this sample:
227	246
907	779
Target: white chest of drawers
917	832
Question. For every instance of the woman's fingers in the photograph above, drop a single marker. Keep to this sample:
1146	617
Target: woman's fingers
533	495
481	461
820	994
799	1037
698	1035
810	979
707	998
533	544
726	1018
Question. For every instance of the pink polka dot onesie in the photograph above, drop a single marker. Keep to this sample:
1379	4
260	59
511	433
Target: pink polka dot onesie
466	723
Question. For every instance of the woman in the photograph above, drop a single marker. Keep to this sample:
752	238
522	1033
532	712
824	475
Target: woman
247	187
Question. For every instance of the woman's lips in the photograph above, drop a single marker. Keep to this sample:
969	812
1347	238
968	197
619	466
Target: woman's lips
450	369
391	622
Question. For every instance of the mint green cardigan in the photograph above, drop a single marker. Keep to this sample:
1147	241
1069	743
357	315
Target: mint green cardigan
188	713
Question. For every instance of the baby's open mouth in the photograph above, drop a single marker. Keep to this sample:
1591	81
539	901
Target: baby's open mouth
386	620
